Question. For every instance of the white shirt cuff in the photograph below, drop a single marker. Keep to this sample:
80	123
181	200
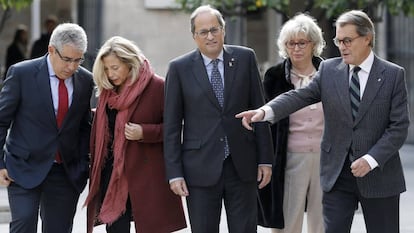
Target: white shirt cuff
371	161
174	179
269	115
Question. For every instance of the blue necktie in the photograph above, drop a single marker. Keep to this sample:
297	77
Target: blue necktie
218	88
217	83
354	90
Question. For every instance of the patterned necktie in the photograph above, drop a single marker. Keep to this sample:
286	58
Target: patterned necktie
63	106
354	91
217	83
218	88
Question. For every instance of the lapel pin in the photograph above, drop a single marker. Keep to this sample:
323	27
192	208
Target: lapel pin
231	62
379	80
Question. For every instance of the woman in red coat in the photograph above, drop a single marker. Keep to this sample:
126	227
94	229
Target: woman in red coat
127	180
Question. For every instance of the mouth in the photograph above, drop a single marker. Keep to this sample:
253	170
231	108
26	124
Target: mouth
211	43
344	54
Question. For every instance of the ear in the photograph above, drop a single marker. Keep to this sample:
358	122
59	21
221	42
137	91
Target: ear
368	38
50	49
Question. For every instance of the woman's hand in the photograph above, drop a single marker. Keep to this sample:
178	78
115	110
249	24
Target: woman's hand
133	131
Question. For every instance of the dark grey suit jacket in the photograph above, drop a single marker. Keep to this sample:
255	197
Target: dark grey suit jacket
379	130
26	108
195	124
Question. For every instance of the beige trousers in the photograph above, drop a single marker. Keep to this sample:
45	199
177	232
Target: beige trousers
302	188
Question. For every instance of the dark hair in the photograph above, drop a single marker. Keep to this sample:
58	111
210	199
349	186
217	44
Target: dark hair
361	20
19	31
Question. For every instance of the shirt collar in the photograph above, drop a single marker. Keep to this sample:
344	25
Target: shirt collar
366	65
208	60
50	67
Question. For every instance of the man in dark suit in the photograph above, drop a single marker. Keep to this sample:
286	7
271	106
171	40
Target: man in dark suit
40	46
209	156
366	120
44	128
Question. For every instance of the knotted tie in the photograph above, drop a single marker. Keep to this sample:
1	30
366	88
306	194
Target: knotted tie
63	105
354	91
218	88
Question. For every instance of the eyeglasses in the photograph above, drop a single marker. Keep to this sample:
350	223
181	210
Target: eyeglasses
347	41
301	44
69	60
204	33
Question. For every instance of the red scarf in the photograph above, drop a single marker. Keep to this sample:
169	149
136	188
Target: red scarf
114	203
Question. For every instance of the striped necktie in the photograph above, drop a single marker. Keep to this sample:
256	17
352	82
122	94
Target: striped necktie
354	91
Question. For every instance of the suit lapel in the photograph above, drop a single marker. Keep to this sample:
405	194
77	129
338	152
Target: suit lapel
201	77
45	93
230	66
341	77
374	83
77	89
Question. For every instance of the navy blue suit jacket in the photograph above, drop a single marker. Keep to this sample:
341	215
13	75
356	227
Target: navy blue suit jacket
28	129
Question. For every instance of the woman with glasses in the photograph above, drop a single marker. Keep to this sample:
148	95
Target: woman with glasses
295	180
127	179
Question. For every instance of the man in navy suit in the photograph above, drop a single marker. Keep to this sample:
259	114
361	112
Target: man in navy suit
45	158
366	122
209	156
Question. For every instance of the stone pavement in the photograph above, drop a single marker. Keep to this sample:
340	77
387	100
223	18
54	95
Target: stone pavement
406	206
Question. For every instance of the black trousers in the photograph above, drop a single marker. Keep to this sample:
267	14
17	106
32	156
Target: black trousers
381	215
240	201
123	223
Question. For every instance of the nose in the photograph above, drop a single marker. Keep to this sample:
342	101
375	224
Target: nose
210	35
296	47
109	73
341	45
73	65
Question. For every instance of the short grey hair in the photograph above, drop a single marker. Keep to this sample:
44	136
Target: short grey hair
301	23
361	20
126	51
69	34
203	9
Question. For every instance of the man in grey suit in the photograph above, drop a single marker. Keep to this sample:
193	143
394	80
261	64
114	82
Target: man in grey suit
366	122
45	128
209	156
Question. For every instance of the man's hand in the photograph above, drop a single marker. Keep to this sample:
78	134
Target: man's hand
360	167
251	116
264	174
5	180
179	187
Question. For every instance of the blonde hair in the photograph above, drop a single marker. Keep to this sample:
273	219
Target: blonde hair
126	51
